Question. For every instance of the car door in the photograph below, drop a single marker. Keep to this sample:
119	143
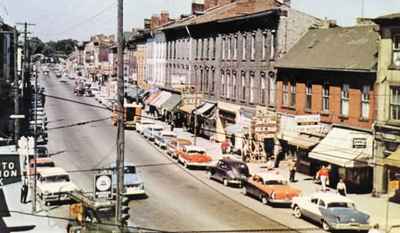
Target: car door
220	171
315	212
309	207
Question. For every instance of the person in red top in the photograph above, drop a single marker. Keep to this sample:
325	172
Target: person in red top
225	146
323	174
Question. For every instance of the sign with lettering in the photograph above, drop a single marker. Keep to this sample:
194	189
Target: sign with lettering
10	171
359	143
103	186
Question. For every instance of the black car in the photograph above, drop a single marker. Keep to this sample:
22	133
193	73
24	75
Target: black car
229	171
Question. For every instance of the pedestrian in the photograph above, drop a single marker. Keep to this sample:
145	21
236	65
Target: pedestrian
270	164
24	191
225	146
172	126
292	170
375	229
278	158
341	188
324	177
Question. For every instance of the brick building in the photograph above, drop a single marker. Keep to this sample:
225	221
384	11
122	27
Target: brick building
330	75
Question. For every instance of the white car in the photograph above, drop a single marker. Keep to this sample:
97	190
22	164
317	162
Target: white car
142	124
54	186
162	138
332	211
150	131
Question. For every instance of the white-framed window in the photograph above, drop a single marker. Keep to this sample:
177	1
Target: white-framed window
222	83
212	81
263	91
243	81
365	102
234	84
271	91
207	48
202	48
252	92
344	100
201	80
285	93
272	49
395	103
244	46
325	97
292	94
396	49
229	47
264	45
214	47
253	46
235	47
228	84
223	48
308	96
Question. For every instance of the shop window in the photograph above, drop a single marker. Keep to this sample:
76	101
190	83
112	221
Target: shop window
201	81
292	94
395	103
206	78
271	91
285	94
396	50
325	98
308	96
222	83
365	102
344	100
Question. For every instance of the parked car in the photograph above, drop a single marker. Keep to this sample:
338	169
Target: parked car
332	211
79	91
270	187
88	93
162	138
133	182
41	163
142	124
193	156
54	186
176	144
229	171
150	131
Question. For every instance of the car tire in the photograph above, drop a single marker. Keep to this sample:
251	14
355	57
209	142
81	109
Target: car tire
185	165
244	191
226	182
325	226
209	175
264	200
297	212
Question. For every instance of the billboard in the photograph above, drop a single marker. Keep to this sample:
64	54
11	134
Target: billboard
10	171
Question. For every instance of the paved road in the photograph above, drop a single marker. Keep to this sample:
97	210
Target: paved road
176	200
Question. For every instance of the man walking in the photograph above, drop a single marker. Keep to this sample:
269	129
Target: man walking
24	191
292	170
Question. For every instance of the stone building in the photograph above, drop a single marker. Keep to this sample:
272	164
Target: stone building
387	126
228	50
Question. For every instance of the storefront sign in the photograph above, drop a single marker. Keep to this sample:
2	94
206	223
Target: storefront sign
10	171
359	143
103	186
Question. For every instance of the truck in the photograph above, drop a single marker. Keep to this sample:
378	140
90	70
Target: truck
132	114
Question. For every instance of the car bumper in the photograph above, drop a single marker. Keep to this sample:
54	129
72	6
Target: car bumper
134	191
198	164
350	226
235	181
280	201
56	197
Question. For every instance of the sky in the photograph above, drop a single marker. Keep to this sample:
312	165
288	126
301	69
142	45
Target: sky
79	19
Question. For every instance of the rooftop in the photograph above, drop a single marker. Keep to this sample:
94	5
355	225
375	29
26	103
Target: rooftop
340	49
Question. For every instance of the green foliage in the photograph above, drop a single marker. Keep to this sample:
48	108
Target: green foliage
52	48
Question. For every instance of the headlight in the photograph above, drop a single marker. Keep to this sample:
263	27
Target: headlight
273	195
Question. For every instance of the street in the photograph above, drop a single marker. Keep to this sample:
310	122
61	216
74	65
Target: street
176	200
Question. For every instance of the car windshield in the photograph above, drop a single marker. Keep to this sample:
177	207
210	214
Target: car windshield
341	205
169	136
275	182
196	152
130	169
47	164
55	179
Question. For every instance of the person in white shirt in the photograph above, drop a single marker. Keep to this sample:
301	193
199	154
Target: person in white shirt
341	188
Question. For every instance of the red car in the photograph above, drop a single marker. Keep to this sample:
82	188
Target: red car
193	156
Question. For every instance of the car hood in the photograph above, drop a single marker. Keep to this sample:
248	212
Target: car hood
347	215
198	158
131	179
57	187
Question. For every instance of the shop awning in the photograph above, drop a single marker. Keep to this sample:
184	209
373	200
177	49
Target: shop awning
152	97
188	108
204	108
171	103
301	141
233	129
162	98
344	147
393	159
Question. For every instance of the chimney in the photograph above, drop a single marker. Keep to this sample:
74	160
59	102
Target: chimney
164	17
210	4
197	7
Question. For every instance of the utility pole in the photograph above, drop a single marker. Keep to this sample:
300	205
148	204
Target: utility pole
17	123
35	148
120	122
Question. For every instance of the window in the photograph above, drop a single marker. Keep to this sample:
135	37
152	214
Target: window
285	94
365	102
202	48
244	47
264	45
252	92
222	83
229	47
253	46
243	86
292	94
325	98
228	84
174	49
201	81
272	49
235	46
207	55
223	48
271	91
212	81
214	47
234	81
344	100
395	102
308	96
263	88
396	50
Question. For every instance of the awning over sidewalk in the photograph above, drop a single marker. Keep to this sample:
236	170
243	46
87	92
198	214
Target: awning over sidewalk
204	108
171	103
152	97
162	98
233	129
393	159
344	147
301	141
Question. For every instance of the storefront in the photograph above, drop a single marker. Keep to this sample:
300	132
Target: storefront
169	109
347	151
158	101
205	116
227	116
392	165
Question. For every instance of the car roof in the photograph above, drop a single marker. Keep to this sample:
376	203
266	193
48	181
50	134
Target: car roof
195	148
331	197
183	141
167	133
229	160
146	121
154	126
51	171
41	160
270	175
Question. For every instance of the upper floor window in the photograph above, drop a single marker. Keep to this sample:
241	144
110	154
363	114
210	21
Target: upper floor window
202	48
229	47
234	85
235	46
365	102
253	46
292	94
222	83
285	93
228	84
243	86
325	98
197	48
272	49
212	81
308	96
263	91
396	49
206	78
395	103
244	46
264	45
345	99
214	47
208	48
223	48
252	92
